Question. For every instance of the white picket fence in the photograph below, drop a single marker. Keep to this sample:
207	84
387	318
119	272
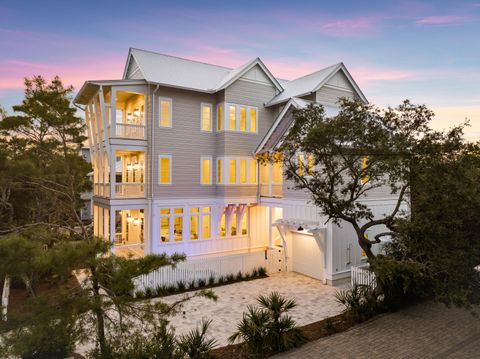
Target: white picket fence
201	269
5	295
360	275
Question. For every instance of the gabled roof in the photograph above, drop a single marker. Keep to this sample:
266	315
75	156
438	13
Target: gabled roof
188	74
284	120
91	87
311	83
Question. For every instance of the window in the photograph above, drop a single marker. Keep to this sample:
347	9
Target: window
165	169
264	173
171	222
243	171
165	112
243	118
301	165
277	175
253	171
253	119
365	177
310	164
232	113
206	170
219	171
220	117
233	171
206	120
244	225
200	218
223	226
233	224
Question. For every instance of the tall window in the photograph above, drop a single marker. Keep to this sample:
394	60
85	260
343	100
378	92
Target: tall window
253	171
277	173
206	120
233	171
223	226
219	171
165	169
243	171
243	118
244	225
310	164
232	115
165	112
219	117
206	170
301	165
253	119
233	224
171	224
200	223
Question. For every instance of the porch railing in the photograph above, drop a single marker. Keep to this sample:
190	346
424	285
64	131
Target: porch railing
360	275
127	130
101	189
271	190
129	189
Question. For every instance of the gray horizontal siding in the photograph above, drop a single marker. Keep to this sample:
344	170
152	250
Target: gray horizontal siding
331	95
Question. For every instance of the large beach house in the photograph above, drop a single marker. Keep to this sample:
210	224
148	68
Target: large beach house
173	146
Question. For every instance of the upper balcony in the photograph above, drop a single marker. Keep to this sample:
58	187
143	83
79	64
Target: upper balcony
129	115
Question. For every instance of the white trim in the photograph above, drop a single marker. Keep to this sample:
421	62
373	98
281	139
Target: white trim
226	171
205	158
226	118
166	99
222	106
160	169
206	104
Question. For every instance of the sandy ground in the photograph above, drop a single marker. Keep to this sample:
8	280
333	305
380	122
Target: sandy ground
315	301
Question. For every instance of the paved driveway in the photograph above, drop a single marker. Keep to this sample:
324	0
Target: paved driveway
425	331
315	302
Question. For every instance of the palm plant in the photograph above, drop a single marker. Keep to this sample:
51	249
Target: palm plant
195	343
269	329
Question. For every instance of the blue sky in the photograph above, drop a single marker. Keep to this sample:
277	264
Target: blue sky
427	51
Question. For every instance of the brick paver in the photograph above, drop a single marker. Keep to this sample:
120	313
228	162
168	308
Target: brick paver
427	330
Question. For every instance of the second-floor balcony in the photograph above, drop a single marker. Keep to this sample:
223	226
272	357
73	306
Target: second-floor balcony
129	130
129	190
271	180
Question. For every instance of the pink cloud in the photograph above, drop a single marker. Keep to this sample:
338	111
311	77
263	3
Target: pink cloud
75	73
349	27
442	20
374	74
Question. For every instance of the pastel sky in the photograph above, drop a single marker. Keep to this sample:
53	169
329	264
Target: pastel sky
426	51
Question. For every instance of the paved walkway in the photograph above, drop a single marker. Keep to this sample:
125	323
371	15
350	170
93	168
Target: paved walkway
425	331
315	302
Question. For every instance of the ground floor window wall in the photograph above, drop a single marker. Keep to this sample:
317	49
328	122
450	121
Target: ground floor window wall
202	222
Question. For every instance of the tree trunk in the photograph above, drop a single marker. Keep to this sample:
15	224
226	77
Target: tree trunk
98	311
29	286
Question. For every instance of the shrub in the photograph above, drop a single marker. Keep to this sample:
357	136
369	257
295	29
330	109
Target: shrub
262	272
360	302
222	279
195	343
268	329
230	278
191	285
401	282
239	276
148	292
181	286
202	283
255	272
211	280
170	289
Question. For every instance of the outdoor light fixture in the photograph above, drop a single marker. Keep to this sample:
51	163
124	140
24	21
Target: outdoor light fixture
137	113
300	228
129	116
129	218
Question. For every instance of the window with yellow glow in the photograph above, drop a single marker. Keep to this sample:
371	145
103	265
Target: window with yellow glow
301	165
243	171
365	177
194	223
223	226
232	113
233	224
165	112
233	171
264	173
243	119
219	171
219	117
171	220
178	224
244	225
206	223
253	171
165	169
165	229
206	170
206	123
253	120
277	173
310	164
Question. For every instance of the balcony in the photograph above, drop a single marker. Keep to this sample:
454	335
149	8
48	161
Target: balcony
128	130
101	189
274	190
129	190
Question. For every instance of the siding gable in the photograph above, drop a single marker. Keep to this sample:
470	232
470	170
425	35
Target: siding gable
256	74
133	70
340	80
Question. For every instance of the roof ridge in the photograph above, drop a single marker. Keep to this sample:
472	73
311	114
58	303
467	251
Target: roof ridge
181	58
315	72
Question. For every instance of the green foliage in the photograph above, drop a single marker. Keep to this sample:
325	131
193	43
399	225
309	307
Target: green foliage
262	271
41	171
268	328
360	302
402	281
195	343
